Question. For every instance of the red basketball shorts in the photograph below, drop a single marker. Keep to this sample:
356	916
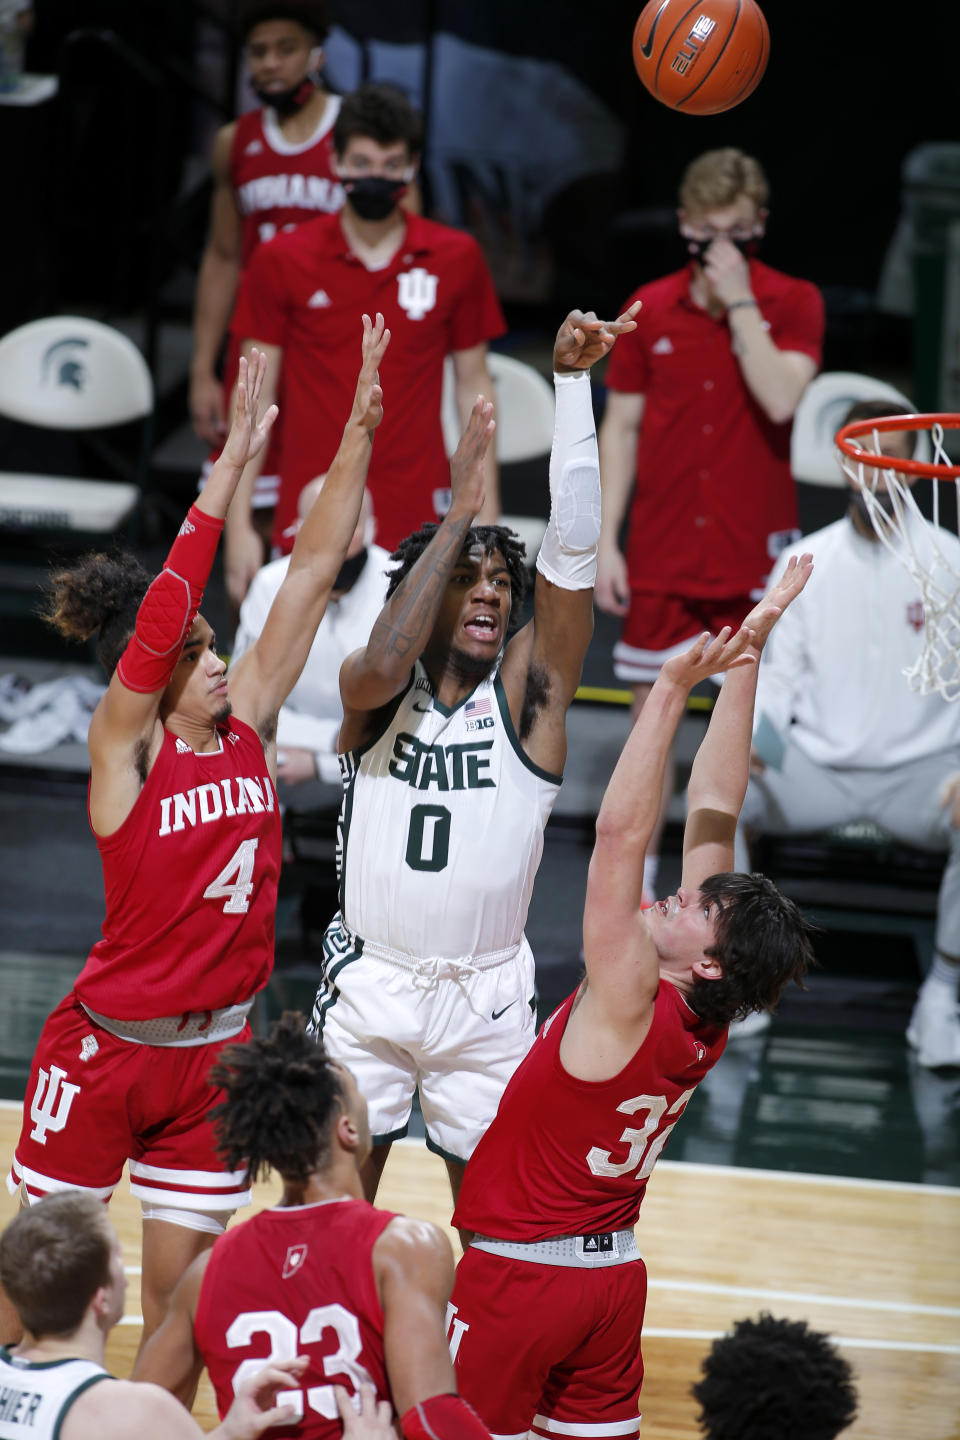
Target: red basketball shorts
659	626
94	1101
549	1348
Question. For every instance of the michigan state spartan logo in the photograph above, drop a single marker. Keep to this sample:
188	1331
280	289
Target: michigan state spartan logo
417	292
51	1103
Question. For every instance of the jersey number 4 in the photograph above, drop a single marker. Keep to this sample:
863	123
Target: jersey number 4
285	1343
235	881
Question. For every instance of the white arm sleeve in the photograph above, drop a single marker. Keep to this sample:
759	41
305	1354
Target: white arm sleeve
568	555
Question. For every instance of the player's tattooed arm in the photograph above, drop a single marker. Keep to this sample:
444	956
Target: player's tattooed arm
407	620
371	677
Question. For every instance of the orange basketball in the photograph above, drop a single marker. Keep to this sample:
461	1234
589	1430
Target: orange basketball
701	58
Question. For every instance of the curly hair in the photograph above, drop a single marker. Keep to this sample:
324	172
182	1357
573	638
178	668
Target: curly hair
100	593
381	113
280	1096
313	15
774	1380
54	1257
762	942
490	538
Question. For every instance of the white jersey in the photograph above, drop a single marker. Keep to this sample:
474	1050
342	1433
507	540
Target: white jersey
441	830
34	1398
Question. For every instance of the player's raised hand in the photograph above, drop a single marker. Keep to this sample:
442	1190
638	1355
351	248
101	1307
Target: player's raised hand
368	401
767	611
711	655
248	433
373	1421
466	464
582	339
255	1408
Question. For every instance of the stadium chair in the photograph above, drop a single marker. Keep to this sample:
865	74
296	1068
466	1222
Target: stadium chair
71	374
524	401
821	412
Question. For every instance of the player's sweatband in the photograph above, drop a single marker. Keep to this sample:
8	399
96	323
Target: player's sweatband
568	555
443	1417
170	606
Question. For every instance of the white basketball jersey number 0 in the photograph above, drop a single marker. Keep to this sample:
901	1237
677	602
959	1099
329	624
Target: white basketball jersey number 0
284	1346
236	891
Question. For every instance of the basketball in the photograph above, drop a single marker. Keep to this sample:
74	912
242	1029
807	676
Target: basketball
704	58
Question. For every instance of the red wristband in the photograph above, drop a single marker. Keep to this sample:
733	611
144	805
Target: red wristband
170	606
443	1417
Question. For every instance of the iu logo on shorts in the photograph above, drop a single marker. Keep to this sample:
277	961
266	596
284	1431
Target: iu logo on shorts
417	292
51	1103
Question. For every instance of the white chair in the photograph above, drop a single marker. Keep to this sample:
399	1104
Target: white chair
70	373
525	413
822	410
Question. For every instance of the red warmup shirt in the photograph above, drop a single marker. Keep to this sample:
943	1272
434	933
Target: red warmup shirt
572	1157
714	500
306	292
191	885
296	1280
278	184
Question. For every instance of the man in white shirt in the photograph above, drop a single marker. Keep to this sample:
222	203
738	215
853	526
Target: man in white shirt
840	736
309	722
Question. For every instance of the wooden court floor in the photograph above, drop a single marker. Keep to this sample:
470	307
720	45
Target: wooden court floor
876	1265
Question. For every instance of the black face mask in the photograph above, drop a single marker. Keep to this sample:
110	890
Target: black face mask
350	571
697	249
373	197
288	102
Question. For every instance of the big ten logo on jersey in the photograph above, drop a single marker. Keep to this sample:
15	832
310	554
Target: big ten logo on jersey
203	804
645	1141
51	1103
286	1342
441	767
477	714
417	291
455	1329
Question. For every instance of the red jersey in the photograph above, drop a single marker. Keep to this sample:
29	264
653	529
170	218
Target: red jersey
278	184
572	1157
296	1280
191	885
714	500
306	292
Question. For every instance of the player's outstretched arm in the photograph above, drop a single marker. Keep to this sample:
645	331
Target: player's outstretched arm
271	667
413	1268
556	640
721	769
620	959
371	677
119	1409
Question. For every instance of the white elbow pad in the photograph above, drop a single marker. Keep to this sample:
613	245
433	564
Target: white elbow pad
568	555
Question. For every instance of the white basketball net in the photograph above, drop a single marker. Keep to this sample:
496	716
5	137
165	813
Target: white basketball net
907	534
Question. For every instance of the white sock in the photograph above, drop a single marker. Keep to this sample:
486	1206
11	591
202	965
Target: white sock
651	864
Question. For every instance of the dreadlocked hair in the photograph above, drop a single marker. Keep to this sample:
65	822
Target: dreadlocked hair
100	593
762	942
774	1380
489	538
280	1095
